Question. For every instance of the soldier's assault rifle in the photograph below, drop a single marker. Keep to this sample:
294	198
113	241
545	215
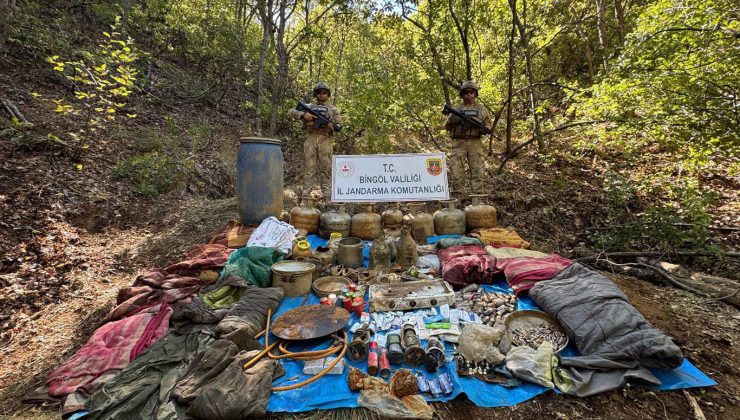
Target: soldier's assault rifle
447	110
305	108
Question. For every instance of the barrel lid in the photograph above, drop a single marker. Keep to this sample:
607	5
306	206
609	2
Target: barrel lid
293	267
264	140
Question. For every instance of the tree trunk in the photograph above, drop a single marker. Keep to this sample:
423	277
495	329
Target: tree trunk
462	30
307	14
283	58
510	82
7	8
338	68
440	70
601	30
619	13
265	12
426	30
533	100
589	54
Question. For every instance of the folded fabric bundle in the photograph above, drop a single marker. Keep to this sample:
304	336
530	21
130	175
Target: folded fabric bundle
233	235
142	390
201	257
152	289
253	264
616	341
601	321
465	264
111	348
208	364
523	272
500	236
503	252
273	233
250	312
236	393
462	240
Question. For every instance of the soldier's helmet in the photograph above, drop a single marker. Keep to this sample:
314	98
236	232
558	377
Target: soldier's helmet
468	85
321	86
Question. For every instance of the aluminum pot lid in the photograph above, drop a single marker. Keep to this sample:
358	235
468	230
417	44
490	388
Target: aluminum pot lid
293	267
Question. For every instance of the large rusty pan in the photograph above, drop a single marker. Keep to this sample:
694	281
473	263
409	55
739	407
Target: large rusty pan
309	322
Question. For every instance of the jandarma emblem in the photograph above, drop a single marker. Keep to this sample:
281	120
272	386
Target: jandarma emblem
434	166
345	169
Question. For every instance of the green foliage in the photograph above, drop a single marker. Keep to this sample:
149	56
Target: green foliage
103	79
679	221
674	85
662	75
152	173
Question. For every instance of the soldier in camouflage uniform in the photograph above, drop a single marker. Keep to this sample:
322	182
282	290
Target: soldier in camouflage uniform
466	141
317	147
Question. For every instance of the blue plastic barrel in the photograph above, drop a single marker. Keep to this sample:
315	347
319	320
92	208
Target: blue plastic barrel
259	179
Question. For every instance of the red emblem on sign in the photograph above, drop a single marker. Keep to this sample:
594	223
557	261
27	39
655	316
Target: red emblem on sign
434	166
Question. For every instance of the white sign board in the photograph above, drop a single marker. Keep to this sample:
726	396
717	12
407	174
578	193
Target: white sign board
389	178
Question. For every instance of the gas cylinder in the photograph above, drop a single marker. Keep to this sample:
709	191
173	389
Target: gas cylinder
422	224
305	216
392	218
335	221
479	214
366	225
449	220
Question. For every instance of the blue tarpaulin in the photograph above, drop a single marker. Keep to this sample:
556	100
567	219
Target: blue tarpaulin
331	391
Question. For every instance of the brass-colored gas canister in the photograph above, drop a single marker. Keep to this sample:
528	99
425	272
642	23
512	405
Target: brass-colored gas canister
449	220
422	223
335	221
305	216
479	214
366	225
392	218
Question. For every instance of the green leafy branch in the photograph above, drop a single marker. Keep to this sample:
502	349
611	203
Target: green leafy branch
103	79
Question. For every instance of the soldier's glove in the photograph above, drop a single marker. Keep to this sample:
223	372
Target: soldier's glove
307	117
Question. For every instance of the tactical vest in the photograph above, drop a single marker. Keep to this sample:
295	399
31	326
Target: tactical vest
461	130
322	110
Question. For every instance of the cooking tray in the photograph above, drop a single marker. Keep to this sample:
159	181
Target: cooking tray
520	320
309	322
324	286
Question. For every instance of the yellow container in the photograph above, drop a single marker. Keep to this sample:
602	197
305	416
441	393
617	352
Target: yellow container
301	248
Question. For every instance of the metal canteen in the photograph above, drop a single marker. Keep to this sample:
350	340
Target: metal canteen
407	254
380	255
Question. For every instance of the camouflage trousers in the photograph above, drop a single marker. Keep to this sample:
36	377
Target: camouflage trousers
470	150
317	151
